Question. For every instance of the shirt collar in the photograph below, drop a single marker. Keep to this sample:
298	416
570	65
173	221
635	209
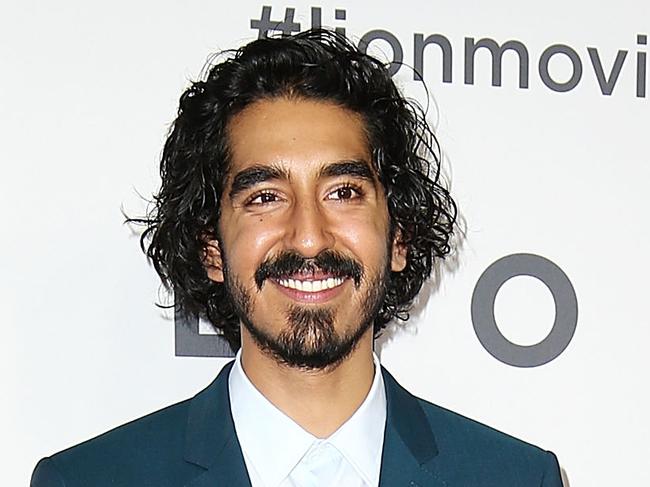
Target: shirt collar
259	424
361	438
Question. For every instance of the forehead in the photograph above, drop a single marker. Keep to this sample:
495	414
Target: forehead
300	134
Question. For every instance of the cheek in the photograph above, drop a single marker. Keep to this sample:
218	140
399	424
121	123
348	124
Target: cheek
248	242
366	238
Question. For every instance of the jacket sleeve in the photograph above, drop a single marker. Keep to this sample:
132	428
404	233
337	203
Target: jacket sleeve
552	476
46	475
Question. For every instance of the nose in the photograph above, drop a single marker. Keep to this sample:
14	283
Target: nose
309	229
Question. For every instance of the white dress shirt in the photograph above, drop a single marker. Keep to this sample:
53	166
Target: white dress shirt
280	453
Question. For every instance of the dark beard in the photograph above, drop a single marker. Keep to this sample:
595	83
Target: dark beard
310	340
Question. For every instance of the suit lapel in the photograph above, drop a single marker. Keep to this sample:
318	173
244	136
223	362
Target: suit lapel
211	441
410	449
408	456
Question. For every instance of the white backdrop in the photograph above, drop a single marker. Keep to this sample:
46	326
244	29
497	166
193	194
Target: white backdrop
88	91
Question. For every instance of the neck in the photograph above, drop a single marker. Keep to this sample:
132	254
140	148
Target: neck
327	398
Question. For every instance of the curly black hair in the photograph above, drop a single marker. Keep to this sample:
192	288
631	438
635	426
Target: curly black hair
316	64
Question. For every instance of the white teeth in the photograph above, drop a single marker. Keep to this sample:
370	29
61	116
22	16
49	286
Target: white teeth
311	286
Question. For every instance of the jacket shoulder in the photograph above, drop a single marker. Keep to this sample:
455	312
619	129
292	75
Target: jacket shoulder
141	450
462	441
451	427
460	451
159	449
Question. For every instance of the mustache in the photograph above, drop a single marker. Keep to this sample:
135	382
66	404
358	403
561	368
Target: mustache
291	262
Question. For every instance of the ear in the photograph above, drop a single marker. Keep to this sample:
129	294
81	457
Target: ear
398	253
212	260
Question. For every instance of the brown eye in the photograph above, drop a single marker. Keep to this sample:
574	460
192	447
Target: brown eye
267	198
263	198
345	193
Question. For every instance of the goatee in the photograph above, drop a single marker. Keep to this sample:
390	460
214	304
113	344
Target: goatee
310	340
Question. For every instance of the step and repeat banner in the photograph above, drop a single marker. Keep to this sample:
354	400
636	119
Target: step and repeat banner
537	325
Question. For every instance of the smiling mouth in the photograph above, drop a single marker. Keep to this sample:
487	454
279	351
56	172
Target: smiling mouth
311	286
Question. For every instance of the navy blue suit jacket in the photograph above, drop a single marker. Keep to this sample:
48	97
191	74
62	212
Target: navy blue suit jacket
194	444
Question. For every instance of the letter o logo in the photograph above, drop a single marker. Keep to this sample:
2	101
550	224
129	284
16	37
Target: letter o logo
566	310
398	52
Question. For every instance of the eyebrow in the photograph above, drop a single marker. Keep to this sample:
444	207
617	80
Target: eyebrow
249	177
355	168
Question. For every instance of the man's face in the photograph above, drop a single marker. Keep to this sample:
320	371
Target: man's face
305	250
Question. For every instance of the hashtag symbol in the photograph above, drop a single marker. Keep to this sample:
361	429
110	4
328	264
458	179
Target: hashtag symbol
264	24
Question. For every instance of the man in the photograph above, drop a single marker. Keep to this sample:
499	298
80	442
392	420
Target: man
300	211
